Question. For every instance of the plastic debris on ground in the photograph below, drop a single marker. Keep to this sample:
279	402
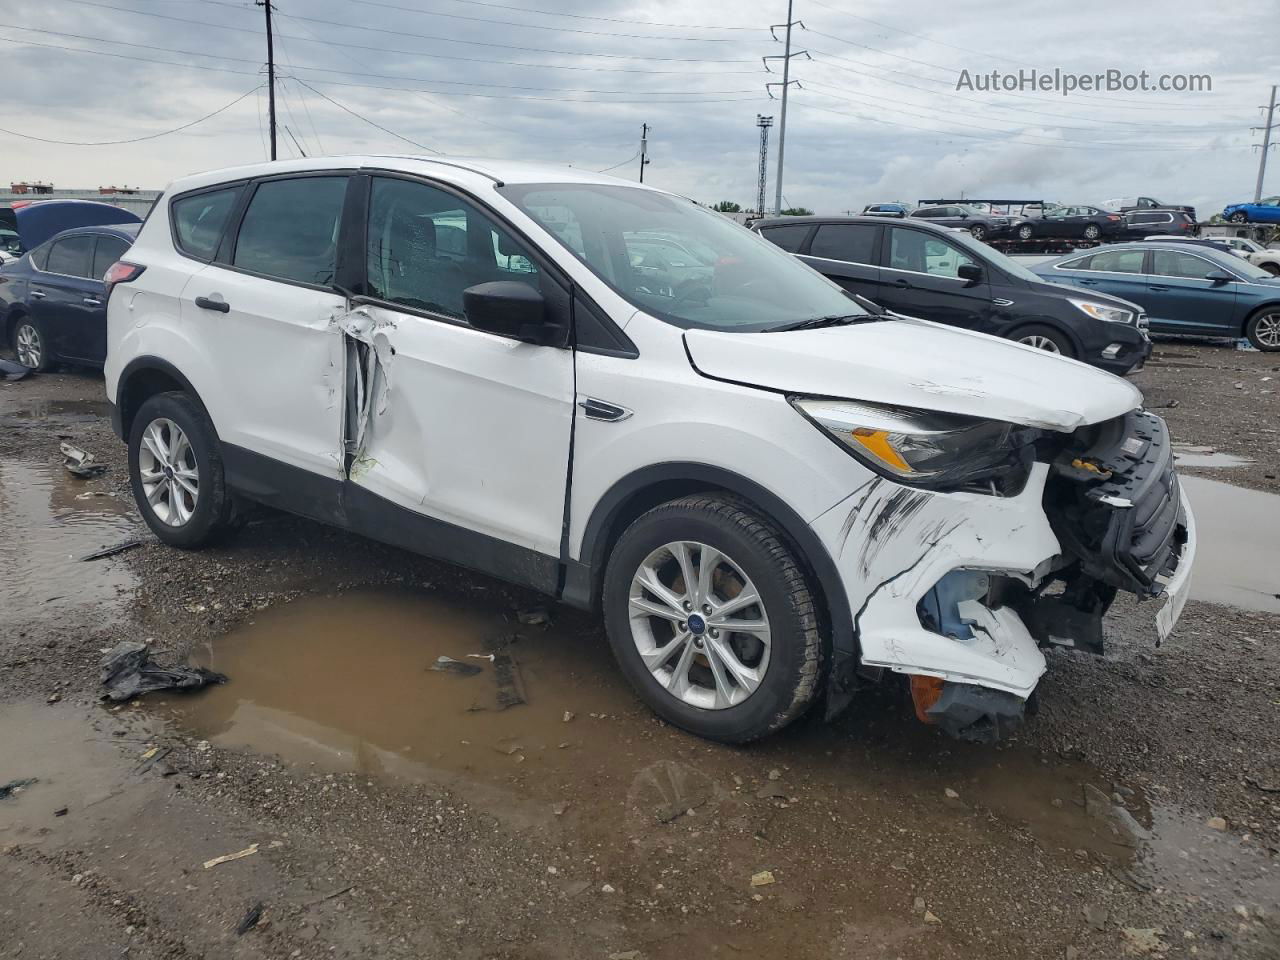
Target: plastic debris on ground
81	463
456	667
14	786
128	671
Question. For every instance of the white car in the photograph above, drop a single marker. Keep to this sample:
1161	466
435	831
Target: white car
1266	258
774	495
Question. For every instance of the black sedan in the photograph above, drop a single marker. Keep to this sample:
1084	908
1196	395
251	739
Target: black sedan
53	304
1071	223
981	225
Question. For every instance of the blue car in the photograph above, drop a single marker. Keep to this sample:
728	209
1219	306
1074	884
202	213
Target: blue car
1264	211
53	303
1185	289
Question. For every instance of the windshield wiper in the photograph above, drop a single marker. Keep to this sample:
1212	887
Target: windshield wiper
815	323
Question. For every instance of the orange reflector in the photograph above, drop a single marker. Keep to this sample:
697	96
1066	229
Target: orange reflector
925	692
877	442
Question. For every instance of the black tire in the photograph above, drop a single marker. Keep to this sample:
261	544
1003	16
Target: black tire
978	231
1026	232
1061	342
1092	231
1263	329
1239	217
33	327
1271	268
797	647
211	518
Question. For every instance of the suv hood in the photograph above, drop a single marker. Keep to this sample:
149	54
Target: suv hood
914	363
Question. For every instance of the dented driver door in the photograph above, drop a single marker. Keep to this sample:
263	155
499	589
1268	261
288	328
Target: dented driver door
462	427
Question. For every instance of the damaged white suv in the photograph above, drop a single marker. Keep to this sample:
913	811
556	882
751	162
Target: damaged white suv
776	493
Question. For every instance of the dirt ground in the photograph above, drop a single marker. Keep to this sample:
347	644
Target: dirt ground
533	809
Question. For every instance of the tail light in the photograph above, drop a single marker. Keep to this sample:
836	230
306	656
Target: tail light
120	272
1113	217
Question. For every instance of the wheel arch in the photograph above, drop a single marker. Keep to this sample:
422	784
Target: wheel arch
15	313
1268	307
650	486
141	379
1046	321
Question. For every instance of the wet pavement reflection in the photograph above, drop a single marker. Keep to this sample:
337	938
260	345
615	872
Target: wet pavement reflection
1238	530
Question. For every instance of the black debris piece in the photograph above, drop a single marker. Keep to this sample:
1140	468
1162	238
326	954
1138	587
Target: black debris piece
14	371
8	788
60	812
250	919
111	551
535	617
456	667
127	672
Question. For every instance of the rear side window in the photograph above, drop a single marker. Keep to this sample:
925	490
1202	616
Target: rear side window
108	251
71	256
852	242
789	238
198	221
290	230
40	256
1080	263
1118	261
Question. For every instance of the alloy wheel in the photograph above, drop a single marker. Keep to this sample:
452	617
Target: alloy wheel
1267	331
169	473
29	347
1024	233
978	232
1091	232
699	625
1040	343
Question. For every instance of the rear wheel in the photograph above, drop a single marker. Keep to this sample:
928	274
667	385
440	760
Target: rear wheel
1263	329
1092	232
712	620
175	469
1271	268
31	345
1045	338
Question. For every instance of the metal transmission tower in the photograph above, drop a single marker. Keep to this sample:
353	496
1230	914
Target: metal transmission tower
785	85
764	123
1266	145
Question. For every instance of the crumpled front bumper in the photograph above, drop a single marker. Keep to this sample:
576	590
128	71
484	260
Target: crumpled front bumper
995	568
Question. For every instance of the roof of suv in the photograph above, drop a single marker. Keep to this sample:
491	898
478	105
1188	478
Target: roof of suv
873	221
499	171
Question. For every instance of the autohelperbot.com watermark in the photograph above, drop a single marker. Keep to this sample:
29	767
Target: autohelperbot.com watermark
1067	82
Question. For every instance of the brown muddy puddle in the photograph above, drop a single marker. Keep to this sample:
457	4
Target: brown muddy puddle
1238	531
51	520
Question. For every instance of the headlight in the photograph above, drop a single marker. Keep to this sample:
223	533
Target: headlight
921	447
1100	311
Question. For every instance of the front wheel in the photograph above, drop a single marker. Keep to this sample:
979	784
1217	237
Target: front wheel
1239	217
978	232
1025	232
1045	338
31	345
712	620
1263	330
175	469
1092	232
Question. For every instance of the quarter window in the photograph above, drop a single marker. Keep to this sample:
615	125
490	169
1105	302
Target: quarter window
198	221
851	242
71	256
1172	263
426	247
919	252
789	238
1117	261
290	230
108	251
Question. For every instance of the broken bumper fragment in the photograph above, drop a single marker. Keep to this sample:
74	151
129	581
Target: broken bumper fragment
962	590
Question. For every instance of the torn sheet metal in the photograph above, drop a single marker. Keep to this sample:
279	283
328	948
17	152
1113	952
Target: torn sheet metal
894	544
368	376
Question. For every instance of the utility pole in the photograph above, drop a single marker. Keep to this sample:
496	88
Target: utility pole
1266	146
644	147
271	76
762	182
785	84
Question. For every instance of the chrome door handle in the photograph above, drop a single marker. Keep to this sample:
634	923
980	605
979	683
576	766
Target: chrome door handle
37	294
92	301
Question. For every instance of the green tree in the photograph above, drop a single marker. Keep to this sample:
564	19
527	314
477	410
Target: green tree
797	212
727	206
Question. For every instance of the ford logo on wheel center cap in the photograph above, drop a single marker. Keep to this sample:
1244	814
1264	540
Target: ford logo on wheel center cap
697	626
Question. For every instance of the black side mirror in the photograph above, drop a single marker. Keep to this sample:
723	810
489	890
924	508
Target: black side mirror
511	309
970	273
1219	277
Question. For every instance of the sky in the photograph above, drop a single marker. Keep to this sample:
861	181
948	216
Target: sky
876	115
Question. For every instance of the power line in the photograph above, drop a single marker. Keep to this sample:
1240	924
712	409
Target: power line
134	59
621	164
583	16
149	136
360	116
418	36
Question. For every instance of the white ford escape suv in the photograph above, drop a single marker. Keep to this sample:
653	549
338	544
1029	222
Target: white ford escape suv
605	392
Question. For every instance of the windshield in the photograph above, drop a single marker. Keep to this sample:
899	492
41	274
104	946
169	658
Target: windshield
680	262
994	257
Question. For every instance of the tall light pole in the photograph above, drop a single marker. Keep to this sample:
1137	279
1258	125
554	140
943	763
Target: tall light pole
271	77
786	83
762	182
1266	145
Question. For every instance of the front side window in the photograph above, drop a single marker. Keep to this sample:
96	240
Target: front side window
789	238
426	246
920	252
71	256
1172	263
850	242
738	281
290	230
1118	261
107	252
198	221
